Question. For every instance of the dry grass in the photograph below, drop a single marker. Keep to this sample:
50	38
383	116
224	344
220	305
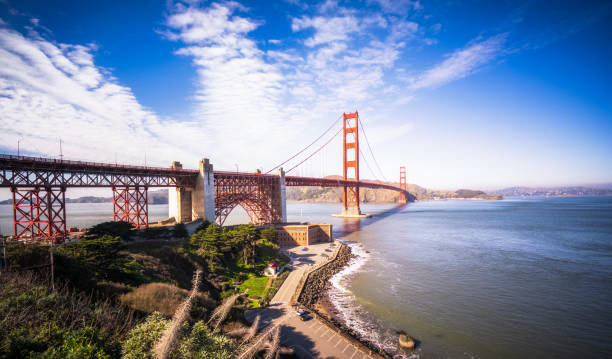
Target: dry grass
163	347
221	312
160	297
252	330
259	342
274	344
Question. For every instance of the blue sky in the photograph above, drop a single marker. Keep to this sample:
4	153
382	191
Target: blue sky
479	94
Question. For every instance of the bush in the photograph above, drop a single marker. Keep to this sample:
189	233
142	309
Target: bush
180	231
201	343
90	260
139	342
154	232
161	297
37	322
269	234
119	229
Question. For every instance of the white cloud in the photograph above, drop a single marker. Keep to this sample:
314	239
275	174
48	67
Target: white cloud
461	63
398	6
327	29
50	90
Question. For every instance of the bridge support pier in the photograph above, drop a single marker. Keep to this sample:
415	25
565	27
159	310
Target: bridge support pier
39	214
203	195
187	204
283	195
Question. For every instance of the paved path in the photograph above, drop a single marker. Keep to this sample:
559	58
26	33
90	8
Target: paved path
310	339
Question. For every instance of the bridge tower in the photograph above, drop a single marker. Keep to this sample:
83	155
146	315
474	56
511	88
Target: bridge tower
350	162
402	183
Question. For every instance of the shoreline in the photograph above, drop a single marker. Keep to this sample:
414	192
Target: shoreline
314	296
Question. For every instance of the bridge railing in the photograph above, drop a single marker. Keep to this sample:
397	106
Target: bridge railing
68	163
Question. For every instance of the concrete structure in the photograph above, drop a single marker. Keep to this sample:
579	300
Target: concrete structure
303	234
187	204
283	194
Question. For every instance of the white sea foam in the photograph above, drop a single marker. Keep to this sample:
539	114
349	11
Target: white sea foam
352	314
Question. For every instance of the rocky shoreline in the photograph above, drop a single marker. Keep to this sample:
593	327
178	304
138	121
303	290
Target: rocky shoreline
313	296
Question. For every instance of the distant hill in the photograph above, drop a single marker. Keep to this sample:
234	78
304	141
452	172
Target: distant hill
331	195
334	194
155	197
595	190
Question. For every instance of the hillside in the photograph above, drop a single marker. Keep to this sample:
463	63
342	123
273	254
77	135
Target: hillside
601	190
368	195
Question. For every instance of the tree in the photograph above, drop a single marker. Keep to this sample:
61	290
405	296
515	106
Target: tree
119	229
180	231
269	234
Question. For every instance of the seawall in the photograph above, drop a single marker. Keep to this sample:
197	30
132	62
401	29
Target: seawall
310	291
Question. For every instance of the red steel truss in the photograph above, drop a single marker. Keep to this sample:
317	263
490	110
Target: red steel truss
24	171
402	182
350	161
130	204
39	213
258	194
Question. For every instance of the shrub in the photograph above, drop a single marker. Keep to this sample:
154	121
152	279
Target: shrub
37	322
154	232
180	231
201	344
119	229
140	340
90	260
269	234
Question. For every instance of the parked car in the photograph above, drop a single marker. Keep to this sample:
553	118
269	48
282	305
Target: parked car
305	317
300	311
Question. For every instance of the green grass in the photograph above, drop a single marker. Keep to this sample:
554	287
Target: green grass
255	285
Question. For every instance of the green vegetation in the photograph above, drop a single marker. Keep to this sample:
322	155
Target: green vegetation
114	296
254	286
180	231
119	229
238	254
39	322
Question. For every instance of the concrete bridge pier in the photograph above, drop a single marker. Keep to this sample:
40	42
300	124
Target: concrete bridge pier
187	204
283	195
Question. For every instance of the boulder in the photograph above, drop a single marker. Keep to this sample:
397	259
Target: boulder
406	341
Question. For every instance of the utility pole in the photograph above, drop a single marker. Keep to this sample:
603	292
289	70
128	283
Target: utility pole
235	164
18	147
61	153
52	266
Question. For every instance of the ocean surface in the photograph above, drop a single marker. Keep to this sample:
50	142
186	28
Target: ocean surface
518	278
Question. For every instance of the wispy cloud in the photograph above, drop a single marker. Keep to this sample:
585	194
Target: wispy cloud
461	63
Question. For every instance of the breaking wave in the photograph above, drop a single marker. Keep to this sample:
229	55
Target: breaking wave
347	310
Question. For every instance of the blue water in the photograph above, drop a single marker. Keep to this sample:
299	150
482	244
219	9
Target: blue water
518	278
528	278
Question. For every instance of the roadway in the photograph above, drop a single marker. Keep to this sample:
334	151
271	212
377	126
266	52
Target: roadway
312	338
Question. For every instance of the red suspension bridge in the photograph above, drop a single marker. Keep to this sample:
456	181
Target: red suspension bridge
38	187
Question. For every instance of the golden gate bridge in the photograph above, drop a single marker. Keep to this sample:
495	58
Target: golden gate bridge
38	186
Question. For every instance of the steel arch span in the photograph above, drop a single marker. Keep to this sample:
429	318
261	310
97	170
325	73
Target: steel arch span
258	194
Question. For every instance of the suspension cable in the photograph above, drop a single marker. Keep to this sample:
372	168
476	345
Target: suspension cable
371	152
305	148
367	164
315	152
